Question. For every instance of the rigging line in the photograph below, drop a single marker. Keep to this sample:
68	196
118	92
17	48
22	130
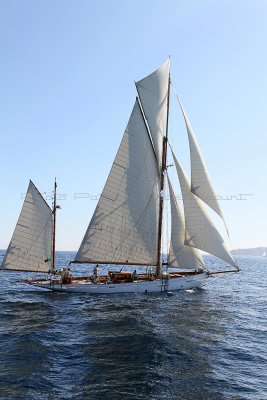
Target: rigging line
147	178
151	92
146	119
167	223
168	204
103	269
146	125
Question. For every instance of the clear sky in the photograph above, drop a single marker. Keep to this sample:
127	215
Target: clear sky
67	89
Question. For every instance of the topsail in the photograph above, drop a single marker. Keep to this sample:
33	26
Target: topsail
153	94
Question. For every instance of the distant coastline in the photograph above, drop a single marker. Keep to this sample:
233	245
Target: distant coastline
256	251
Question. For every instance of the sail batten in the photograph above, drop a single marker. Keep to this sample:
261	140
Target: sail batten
31	245
201	232
124	226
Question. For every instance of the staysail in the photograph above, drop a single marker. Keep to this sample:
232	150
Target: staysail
181	255
124	226
30	248
153	94
201	184
200	229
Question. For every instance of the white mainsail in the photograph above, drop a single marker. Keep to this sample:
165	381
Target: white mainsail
201	184
124	226
153	94
200	229
181	255
31	243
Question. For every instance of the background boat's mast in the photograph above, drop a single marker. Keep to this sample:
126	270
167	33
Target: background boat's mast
54	229
163	169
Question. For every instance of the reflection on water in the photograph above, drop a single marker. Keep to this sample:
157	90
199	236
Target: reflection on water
203	344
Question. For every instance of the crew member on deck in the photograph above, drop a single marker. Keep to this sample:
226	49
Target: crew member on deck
134	275
66	277
96	271
94	277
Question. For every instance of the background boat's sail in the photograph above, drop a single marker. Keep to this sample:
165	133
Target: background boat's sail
124	226
31	243
181	255
200	229
153	94
201	184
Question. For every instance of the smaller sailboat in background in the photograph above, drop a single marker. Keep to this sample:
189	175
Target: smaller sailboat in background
126	229
264	254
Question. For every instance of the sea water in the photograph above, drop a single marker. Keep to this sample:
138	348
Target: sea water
201	344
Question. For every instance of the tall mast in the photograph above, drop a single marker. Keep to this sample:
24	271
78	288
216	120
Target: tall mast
54	228
163	169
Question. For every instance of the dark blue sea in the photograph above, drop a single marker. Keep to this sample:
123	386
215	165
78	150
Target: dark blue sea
191	345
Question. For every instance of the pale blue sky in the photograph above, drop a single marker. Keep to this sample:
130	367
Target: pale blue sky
67	90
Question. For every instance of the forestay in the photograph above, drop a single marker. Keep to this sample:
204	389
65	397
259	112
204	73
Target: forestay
31	243
181	255
200	229
201	184
153	94
124	226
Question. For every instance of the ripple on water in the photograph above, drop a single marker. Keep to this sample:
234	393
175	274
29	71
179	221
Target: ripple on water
197	344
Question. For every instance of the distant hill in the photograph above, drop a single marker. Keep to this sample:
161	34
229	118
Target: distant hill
256	251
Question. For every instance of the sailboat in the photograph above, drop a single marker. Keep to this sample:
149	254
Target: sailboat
126	229
264	254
